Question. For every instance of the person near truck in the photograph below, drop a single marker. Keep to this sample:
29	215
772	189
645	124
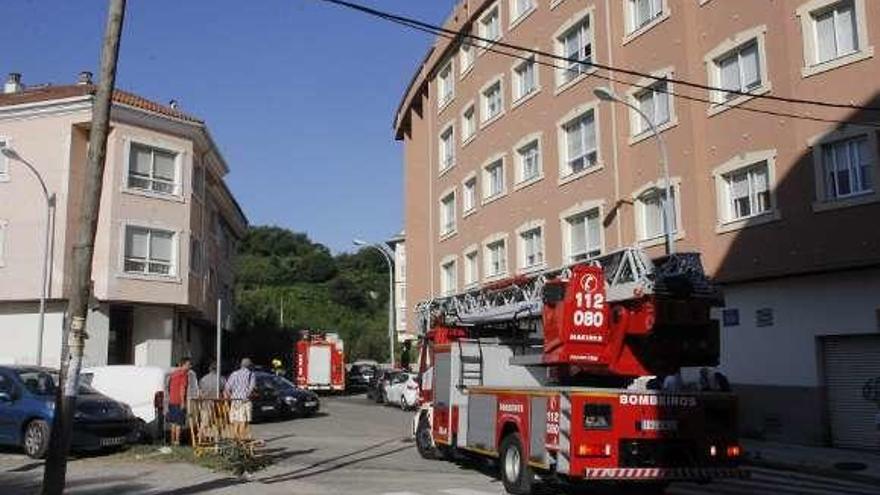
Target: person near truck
239	387
181	385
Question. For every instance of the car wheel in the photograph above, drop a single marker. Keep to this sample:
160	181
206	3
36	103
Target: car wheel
515	471
403	405
36	439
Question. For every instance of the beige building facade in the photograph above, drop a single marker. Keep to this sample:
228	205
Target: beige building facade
167	230
513	166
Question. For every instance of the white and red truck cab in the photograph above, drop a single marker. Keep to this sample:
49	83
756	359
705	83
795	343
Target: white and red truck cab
559	375
320	362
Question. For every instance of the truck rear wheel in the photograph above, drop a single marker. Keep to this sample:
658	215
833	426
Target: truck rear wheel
515	471
425	442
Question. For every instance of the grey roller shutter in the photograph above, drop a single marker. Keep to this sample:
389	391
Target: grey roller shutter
849	363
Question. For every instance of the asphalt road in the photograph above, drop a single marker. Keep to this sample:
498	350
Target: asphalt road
353	447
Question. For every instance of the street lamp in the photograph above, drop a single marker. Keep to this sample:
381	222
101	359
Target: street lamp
389	258
606	94
47	243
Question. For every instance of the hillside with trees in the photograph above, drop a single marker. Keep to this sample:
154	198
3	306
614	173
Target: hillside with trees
277	268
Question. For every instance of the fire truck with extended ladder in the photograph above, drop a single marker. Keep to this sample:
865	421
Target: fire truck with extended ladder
556	375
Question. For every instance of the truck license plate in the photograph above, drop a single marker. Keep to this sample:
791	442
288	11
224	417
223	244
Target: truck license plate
112	441
659	425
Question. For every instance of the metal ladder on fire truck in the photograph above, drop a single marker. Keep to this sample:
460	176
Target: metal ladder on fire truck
629	273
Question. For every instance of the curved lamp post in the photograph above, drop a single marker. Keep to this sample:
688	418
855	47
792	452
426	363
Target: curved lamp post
606	94
47	243
388	255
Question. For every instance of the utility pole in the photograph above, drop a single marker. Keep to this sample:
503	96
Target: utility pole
81	267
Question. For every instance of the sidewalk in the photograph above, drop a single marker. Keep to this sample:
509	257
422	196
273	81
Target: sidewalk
814	460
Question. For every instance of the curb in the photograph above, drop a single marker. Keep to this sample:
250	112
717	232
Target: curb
814	470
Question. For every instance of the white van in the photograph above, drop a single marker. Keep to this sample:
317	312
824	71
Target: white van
138	386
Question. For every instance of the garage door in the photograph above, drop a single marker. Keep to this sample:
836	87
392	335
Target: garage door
849	363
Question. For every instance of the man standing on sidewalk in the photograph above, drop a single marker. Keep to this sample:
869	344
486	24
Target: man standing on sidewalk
239	387
180	386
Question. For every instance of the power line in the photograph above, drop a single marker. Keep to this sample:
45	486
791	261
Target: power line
415	22
652	86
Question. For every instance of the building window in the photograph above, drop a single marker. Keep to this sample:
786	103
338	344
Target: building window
448	282
496	258
469	201
447	148
490	24
576	45
149	251
196	262
651	211
445	85
466	57
493	179
738	70
529	161
532	248
471	268
846	167
654	102
198	180
642	12
152	169
836	31
468	124
525	79
493	104
519	8
447	214
583	235
580	151
747	192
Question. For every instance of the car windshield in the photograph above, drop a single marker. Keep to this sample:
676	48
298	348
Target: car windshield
44	382
283	383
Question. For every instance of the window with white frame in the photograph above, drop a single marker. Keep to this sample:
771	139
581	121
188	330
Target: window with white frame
579	136
469	200
642	12
738	71
835	31
496	258
531	248
448	282
748	191
490	24
651	210
447	148
153	169
576	45
471	268
445	85
519	8
493	179
466	57
493	103
468	123
529	159
447	214
525	79
583	235
846	167
149	251
655	103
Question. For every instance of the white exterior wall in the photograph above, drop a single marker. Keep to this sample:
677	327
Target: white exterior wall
18	332
152	333
785	354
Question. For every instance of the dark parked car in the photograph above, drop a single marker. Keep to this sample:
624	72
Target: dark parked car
27	405
276	397
358	377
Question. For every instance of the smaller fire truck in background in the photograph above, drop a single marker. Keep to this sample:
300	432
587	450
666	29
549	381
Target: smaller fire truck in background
320	362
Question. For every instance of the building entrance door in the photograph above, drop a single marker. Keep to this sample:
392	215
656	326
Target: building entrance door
119	348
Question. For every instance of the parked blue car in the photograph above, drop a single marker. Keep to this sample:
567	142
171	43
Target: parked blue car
27	405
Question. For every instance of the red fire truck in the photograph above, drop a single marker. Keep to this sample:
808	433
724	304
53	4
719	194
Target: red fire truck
560	375
320	362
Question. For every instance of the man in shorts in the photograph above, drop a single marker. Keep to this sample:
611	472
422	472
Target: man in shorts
239	387
180	386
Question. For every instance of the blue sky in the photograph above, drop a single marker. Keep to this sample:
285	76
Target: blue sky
298	94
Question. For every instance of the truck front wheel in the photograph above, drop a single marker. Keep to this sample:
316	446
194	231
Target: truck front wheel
515	471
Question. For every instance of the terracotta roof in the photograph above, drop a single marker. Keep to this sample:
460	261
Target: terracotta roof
47	93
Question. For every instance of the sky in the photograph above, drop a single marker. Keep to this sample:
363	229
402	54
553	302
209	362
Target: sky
298	94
